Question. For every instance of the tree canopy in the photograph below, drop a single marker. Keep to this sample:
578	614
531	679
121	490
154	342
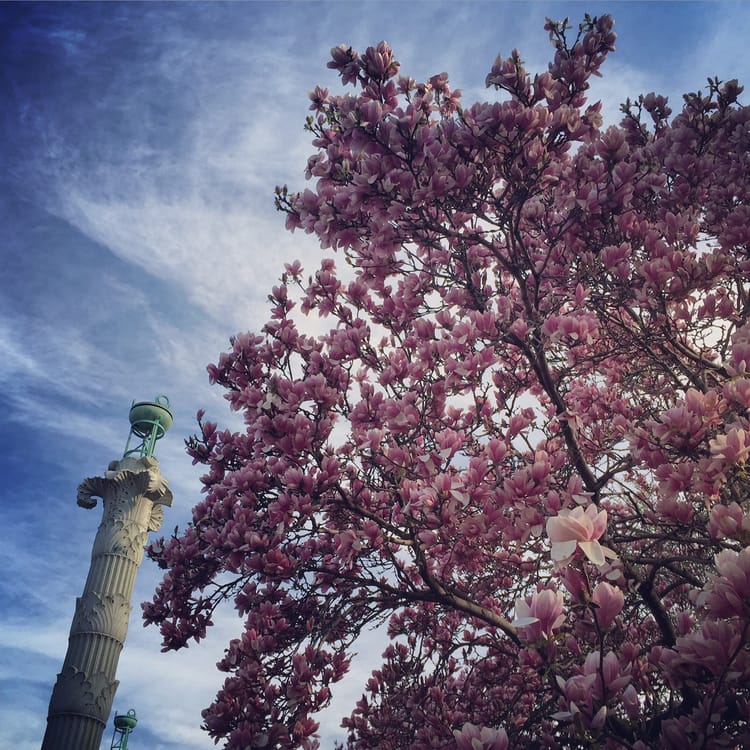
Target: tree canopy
521	439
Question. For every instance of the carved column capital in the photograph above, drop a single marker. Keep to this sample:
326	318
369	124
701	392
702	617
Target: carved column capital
130	477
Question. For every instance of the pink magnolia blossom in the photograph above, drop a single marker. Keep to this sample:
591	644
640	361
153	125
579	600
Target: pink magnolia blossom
732	447
728	593
727	521
542	616
579	528
599	679
631	702
609	601
472	737
740	359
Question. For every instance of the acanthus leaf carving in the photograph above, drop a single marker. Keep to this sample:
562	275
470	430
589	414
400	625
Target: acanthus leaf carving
76	692
125	483
156	519
105	614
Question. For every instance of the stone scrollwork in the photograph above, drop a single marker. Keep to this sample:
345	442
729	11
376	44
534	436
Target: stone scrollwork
89	489
130	478
156	519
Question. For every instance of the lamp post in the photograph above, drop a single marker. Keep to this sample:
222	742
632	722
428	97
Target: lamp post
124	725
133	492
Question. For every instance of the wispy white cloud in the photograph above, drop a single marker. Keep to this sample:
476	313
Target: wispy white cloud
221	258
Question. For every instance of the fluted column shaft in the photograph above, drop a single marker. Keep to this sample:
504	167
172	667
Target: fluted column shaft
132	492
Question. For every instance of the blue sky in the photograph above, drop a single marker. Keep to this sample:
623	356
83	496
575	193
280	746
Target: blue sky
140	145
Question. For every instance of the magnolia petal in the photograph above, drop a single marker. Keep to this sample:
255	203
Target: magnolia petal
599	718
558	622
562	716
522	622
561	550
594	552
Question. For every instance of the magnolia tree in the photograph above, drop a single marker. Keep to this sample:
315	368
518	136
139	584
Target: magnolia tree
523	440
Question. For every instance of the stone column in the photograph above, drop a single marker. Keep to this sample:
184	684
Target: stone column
133	492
